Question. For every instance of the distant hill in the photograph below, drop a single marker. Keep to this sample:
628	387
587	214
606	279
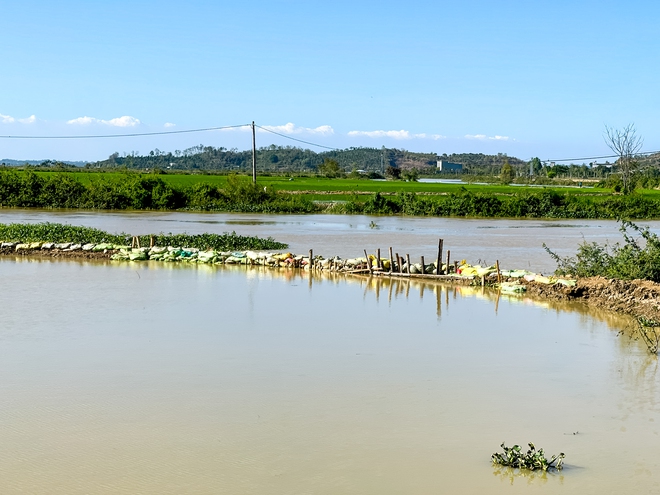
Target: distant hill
291	159
10	162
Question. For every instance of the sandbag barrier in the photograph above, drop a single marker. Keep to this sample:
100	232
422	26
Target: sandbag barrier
64	247
508	281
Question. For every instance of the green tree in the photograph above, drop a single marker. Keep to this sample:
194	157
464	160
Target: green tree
393	172
535	165
330	168
411	175
507	174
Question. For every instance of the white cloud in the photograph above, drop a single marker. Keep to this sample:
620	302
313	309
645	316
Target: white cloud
483	137
8	119
125	121
29	120
82	121
435	137
169	124
290	128
402	134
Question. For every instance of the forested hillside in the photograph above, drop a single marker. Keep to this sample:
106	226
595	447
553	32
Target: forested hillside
292	159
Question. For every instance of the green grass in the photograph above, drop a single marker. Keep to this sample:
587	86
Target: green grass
319	185
122	190
56	232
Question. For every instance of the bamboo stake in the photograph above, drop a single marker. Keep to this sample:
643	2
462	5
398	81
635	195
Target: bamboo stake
368	261
391	261
311	259
378	263
408	262
423	267
438	263
499	274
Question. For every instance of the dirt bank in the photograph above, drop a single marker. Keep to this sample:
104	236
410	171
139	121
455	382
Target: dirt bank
632	297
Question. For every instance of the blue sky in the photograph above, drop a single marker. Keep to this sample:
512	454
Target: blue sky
522	78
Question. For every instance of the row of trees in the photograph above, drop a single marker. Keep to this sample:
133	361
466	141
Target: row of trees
292	159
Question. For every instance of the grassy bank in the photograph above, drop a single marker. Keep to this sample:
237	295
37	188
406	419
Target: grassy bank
123	191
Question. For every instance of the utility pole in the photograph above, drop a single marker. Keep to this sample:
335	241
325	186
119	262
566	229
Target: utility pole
382	160
254	155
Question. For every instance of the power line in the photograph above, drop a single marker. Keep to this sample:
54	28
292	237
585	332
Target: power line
103	136
597	157
295	139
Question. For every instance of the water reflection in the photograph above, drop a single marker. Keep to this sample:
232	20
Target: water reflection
377	286
512	475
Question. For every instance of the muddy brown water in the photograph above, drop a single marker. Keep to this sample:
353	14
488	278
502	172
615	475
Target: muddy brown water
515	243
142	378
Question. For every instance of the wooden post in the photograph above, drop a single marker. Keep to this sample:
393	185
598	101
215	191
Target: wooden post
423	267
499	274
378	263
399	265
483	281
438	263
368	260
455	266
391	261
151	241
408	262
311	258
254	155
448	256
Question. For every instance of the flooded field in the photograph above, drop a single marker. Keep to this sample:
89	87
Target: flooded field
515	243
142	378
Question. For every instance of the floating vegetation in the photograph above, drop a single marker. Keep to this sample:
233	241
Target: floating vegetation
61	233
532	459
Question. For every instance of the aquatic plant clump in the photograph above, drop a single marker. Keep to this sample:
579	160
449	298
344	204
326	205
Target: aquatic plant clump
532	459
61	233
56	232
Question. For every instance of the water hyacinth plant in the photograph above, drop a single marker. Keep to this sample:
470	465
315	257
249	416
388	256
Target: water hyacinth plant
57	232
532	459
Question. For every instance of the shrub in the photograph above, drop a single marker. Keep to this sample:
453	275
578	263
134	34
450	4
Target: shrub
636	258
